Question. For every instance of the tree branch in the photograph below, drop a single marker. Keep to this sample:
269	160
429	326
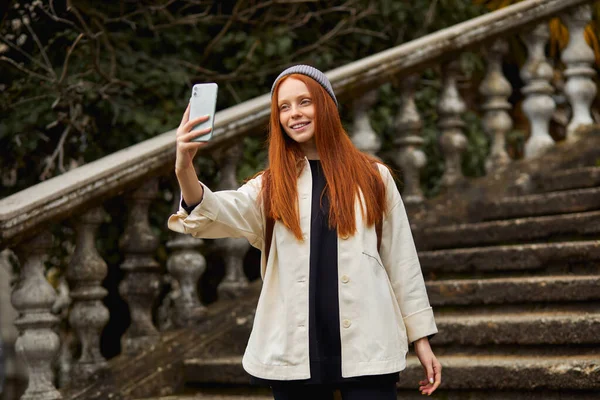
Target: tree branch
58	150
66	62
222	32
39	44
24	70
18	49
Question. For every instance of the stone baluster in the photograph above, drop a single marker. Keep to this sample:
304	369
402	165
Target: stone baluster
233	249
88	315
452	140
186	265
141	284
33	297
579	59
363	135
409	140
496	89
538	105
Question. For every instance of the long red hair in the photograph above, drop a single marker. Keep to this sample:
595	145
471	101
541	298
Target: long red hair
347	170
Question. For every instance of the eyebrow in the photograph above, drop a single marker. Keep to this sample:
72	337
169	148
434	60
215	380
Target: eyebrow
304	94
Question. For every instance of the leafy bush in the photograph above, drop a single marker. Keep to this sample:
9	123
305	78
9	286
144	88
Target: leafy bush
82	79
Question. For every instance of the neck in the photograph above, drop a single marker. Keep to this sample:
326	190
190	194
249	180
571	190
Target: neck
310	150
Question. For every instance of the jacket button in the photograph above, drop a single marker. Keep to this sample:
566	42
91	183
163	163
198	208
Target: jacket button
345	279
347	323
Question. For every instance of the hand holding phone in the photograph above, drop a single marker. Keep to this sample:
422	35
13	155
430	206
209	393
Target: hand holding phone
203	102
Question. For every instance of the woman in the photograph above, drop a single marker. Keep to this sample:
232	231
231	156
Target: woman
343	293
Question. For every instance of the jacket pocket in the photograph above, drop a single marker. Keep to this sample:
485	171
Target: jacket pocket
376	259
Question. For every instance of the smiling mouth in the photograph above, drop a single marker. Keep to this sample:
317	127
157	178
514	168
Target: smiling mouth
299	126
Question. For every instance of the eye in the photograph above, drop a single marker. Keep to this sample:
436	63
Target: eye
283	107
305	101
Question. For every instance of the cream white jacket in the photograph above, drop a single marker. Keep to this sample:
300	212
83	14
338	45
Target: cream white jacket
383	301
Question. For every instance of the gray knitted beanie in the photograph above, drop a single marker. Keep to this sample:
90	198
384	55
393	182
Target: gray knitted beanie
311	72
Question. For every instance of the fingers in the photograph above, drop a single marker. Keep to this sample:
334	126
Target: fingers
438	374
187	137
188	126
433	371
186	116
429	372
191	145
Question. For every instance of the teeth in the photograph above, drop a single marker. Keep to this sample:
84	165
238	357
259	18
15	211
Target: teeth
299	125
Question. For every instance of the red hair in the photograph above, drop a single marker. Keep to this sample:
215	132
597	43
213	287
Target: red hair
347	170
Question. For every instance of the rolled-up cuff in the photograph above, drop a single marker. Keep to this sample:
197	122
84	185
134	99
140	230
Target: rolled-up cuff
420	324
208	207
188	209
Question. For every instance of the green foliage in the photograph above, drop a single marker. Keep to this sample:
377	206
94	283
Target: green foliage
80	83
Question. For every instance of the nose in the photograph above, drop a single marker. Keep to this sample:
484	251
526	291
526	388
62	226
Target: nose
296	112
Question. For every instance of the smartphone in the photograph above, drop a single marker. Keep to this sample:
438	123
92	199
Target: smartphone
204	102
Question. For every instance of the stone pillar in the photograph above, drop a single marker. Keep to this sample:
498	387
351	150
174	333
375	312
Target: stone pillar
88	315
409	140
233	249
496	89
538	105
141	284
579	59
452	140
363	135
33	297
186	265
14	369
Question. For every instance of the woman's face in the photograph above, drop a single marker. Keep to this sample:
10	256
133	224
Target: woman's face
296	111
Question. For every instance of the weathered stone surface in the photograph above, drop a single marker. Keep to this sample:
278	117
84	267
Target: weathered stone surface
156	371
243	393
512	290
564	328
513	230
459	372
538	105
441	393
251	393
457	205
568	201
511	372
575	178
506	258
579	58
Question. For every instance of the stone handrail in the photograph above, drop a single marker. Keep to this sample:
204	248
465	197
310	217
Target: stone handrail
32	209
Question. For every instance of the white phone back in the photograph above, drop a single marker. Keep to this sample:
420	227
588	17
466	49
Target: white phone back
204	102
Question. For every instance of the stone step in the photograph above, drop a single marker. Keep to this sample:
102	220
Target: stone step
463	372
511	257
222	393
522	328
513	230
568	201
512	290
511	372
461	394
575	178
403	394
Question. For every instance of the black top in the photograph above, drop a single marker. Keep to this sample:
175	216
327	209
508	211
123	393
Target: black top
324	314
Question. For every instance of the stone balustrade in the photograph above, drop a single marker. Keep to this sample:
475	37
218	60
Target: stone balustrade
25	217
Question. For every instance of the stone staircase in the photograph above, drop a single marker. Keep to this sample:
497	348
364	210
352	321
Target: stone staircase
516	296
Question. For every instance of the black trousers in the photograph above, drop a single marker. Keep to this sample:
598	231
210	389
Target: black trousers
349	391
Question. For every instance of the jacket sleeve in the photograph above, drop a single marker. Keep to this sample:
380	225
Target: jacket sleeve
399	256
226	213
